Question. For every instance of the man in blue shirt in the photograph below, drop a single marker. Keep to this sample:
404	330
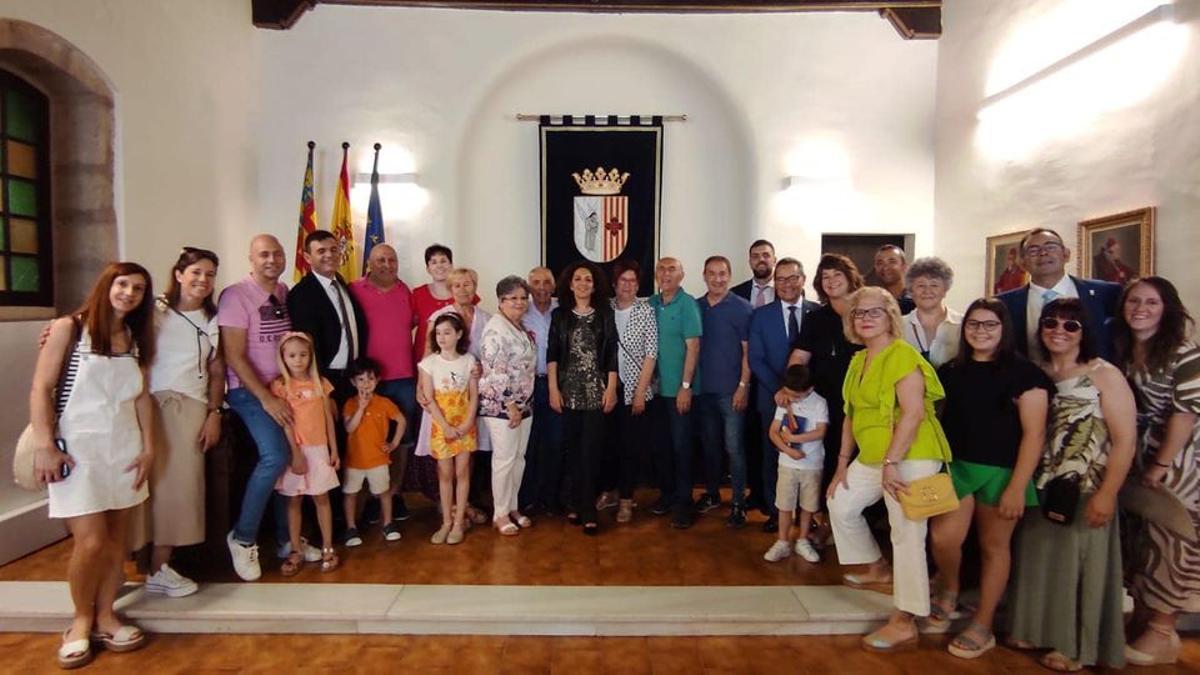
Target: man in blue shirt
724	389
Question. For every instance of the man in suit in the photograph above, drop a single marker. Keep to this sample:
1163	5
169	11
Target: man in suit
1045	256
757	289
322	306
773	328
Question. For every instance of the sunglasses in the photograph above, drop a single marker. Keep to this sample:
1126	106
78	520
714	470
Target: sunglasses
1069	325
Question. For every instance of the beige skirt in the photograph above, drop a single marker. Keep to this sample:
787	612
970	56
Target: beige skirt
176	506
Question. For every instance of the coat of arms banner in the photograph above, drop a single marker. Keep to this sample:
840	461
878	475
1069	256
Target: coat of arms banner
601	184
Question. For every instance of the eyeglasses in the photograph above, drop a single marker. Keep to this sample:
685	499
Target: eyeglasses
988	325
1048	247
872	312
792	279
515	298
1069	325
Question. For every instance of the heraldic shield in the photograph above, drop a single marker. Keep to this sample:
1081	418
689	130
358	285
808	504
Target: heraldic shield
601	227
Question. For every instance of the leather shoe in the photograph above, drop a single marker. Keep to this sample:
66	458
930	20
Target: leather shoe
772	524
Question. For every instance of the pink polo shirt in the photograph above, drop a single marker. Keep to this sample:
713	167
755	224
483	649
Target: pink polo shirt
264	317
390	317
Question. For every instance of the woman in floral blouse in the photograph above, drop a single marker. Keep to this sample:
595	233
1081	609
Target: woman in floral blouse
508	356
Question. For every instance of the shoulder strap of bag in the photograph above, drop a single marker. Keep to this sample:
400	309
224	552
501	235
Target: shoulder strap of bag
64	370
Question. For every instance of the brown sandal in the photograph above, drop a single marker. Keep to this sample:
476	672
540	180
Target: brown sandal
329	560
292	564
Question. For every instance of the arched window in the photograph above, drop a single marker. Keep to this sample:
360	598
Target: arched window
26	265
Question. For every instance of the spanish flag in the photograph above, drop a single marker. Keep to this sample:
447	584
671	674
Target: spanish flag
308	218
341	226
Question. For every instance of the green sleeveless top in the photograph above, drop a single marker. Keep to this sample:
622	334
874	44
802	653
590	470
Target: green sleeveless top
871	404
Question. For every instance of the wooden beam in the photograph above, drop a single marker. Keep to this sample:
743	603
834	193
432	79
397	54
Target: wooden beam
659	6
915	23
279	14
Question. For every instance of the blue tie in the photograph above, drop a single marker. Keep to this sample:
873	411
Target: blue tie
1049	295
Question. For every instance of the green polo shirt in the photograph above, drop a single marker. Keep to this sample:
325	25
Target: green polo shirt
678	320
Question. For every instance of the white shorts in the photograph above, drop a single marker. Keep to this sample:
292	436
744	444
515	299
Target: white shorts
378	477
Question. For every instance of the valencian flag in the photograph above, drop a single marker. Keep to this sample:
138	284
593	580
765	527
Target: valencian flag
600	192
308	217
374	234
341	226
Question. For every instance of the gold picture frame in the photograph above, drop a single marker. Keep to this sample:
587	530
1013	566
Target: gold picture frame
1004	273
1117	248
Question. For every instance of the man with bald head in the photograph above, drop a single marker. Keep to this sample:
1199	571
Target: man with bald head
386	304
540	486
253	317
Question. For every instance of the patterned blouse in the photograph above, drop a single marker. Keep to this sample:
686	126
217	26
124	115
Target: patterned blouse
1078	440
509	358
582	381
638	338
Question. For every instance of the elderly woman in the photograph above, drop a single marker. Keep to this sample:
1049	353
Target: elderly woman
462	282
1158	356
187	381
889	393
98	455
1066	594
581	363
933	328
637	352
508	356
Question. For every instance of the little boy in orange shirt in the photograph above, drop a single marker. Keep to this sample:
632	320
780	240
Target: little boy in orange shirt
369	450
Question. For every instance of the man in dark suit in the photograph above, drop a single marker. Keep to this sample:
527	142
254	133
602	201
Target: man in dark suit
757	290
322	306
773	327
1045	256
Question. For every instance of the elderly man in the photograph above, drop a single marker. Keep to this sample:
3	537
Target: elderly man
253	316
725	389
890	266
540	486
1045	257
679	331
386	304
758	289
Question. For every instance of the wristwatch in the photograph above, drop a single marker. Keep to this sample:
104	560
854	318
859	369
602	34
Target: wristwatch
742	385
686	385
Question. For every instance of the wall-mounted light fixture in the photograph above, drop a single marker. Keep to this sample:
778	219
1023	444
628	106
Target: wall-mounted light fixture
386	178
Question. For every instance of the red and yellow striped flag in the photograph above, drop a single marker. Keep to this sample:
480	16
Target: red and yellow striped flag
341	226
308	218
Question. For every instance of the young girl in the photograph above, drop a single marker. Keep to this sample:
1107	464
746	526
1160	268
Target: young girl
452	389
314	466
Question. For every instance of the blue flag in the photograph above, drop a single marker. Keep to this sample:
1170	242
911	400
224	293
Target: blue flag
374	233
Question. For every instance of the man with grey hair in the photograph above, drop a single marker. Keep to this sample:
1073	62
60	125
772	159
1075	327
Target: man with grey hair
540	486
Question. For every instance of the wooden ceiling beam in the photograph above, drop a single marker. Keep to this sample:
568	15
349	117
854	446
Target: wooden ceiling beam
279	14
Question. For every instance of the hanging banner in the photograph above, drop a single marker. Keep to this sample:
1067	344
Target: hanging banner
601	187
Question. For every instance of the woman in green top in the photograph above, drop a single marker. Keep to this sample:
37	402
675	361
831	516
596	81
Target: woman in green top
889	392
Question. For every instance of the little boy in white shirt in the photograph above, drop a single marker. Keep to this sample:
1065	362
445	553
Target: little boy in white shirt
798	433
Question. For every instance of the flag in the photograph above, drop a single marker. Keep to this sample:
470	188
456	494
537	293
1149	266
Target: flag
374	233
308	217
341	226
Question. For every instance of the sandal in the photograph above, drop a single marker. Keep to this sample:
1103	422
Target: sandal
856	579
941	607
523	521
126	639
1165	656
876	642
591	529
329	560
509	529
455	536
292	564
968	645
574	519
1058	661
74	654
1021	645
439	537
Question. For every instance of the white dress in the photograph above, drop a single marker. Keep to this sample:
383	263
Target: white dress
100	427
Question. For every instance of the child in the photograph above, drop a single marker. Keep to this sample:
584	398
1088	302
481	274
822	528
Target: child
368	449
313	470
798	435
452	389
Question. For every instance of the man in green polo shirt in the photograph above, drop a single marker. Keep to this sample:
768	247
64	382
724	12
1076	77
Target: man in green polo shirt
679	331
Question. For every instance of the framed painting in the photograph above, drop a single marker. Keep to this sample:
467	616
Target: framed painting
1117	248
1004	271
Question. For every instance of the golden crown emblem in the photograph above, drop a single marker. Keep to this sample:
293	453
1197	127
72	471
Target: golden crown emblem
601	182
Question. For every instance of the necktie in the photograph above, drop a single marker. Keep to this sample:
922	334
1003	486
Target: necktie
793	323
761	298
1049	295
345	323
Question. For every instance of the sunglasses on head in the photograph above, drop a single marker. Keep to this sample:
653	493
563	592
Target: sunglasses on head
1069	325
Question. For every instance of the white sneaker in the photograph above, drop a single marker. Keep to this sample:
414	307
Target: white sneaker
778	551
245	559
804	549
170	583
311	553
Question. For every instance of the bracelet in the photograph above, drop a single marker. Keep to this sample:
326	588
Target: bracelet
219	411
889	462
1158	463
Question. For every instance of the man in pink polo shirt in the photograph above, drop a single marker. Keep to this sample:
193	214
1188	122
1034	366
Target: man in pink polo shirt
387	305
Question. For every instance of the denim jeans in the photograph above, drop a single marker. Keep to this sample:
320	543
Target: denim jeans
680	427
542	482
719	421
403	393
274	455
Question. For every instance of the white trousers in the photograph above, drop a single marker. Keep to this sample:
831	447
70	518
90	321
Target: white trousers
856	545
508	461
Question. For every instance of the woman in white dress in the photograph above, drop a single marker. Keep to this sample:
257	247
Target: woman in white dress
97	458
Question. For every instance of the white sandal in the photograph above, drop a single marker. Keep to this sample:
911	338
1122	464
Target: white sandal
74	654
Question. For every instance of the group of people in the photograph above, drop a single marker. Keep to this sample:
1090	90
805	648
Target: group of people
1057	393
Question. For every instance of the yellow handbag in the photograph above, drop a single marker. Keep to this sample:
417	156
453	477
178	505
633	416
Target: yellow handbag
928	497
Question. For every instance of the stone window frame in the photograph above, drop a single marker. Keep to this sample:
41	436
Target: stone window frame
44	295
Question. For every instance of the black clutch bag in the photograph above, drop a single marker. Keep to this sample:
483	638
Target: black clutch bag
1060	499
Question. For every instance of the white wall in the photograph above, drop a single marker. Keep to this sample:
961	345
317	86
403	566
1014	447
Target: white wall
1120	133
836	96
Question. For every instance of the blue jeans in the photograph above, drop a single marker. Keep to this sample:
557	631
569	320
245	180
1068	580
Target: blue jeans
274	455
403	393
718	419
680	426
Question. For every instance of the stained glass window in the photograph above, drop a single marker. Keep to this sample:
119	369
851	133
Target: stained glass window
25	246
